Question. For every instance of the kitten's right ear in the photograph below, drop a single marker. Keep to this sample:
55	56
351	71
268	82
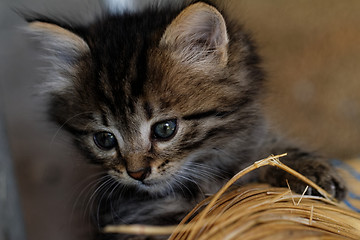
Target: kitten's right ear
63	48
60	42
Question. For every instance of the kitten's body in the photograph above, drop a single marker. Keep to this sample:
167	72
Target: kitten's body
168	101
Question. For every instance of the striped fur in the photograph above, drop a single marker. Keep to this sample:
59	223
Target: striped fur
127	72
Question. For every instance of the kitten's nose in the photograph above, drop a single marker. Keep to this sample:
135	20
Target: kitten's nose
141	174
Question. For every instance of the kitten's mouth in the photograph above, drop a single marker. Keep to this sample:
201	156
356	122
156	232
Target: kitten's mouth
153	187
150	182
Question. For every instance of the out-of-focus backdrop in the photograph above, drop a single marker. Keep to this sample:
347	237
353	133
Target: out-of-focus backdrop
311	52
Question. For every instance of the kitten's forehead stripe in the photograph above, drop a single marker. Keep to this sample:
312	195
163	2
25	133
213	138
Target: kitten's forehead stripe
125	68
148	110
104	120
140	73
108	101
207	114
200	115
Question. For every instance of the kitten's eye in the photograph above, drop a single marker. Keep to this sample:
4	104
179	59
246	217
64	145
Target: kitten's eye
105	140
164	130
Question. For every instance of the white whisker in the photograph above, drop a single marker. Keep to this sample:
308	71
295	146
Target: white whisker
63	125
112	186
87	188
193	181
92	198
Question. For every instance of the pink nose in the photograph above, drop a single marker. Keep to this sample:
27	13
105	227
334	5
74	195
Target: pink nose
141	174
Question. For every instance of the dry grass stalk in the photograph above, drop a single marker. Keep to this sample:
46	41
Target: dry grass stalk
260	212
140	229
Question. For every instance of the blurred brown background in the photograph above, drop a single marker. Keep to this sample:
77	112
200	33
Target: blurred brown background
311	52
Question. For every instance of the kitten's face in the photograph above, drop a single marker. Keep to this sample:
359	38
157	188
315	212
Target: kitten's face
156	105
177	116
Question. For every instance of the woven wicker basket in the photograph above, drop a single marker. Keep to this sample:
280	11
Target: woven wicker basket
260	211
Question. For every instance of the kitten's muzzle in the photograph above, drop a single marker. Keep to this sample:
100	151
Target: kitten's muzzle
141	174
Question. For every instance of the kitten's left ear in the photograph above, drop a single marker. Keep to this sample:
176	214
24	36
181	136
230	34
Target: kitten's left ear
198	35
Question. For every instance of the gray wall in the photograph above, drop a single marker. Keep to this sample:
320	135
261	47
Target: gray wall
50	174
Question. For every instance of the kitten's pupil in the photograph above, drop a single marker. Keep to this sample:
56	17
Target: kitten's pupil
105	140
164	130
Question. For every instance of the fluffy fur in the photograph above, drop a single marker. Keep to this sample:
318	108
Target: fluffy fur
121	6
127	72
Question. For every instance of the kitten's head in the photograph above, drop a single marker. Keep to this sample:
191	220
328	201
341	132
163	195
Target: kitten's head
148	95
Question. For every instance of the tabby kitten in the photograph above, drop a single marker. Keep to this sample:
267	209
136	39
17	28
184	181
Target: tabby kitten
167	100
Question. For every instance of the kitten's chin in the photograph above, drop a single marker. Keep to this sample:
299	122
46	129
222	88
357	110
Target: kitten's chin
154	187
